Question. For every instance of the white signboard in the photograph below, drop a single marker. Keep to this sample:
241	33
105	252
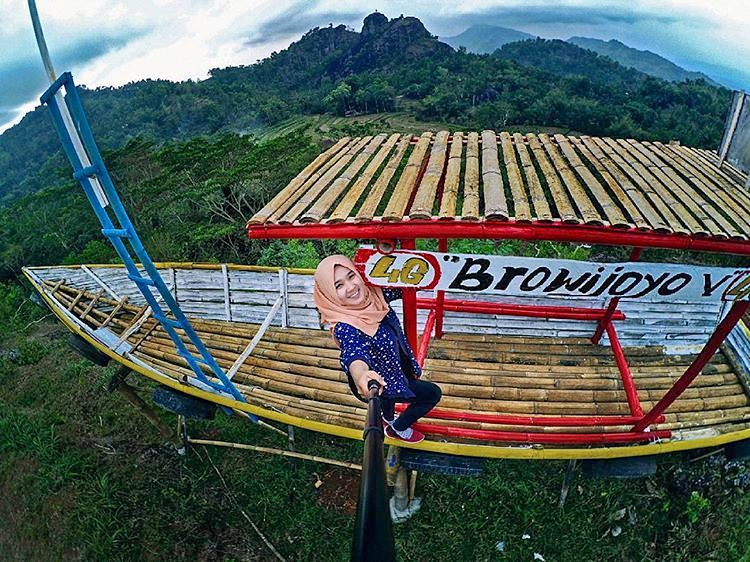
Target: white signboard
537	277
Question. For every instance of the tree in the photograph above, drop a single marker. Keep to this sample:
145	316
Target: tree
338	99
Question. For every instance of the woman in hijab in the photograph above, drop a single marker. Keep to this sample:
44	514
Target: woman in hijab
373	345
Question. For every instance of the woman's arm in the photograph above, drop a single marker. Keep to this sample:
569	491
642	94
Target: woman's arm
362	374
355	357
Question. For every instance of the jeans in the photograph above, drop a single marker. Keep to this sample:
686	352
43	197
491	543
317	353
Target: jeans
427	395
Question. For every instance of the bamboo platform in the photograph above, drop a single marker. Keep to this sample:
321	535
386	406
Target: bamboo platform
489	177
296	372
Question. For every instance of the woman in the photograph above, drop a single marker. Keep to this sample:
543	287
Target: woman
372	344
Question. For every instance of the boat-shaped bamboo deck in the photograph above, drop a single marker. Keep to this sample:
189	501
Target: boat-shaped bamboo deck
293	375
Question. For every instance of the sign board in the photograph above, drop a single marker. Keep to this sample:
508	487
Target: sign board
735	146
538	277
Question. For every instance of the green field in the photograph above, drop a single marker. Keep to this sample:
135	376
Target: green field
84	476
373	123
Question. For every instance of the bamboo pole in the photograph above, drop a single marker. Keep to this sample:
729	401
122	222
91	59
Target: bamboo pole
333	374
271	451
346	206
355	421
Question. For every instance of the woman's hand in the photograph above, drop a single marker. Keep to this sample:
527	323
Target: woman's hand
361	374
365	378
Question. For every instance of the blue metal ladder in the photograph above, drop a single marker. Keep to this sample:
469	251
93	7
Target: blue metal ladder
95	177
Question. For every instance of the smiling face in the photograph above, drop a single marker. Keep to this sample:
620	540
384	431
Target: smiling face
350	288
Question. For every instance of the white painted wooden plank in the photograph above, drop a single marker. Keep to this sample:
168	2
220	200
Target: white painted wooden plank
739	341
241	313
255	298
101	283
204	295
203	311
268	280
252	293
173	283
225	285
284	291
256	338
117	278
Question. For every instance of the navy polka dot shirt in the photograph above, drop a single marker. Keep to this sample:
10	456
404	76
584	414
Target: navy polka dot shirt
387	352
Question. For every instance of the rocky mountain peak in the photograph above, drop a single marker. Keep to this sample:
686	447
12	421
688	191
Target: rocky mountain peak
374	23
383	41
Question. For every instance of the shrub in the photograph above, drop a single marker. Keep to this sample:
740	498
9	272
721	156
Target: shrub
294	253
30	352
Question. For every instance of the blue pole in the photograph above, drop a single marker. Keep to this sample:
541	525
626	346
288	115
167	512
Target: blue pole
85	174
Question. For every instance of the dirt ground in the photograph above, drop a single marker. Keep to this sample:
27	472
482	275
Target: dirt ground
339	490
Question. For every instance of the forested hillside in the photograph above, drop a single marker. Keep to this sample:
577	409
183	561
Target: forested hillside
390	64
645	61
189	202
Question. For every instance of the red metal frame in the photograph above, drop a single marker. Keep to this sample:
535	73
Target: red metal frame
440	297
424	343
604	323
409	230
721	332
605	317
409	297
531	311
627	377
562	312
557	231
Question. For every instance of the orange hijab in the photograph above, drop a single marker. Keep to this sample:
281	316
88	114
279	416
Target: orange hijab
365	317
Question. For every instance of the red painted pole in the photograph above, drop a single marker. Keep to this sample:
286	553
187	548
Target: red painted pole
547	438
424	343
627	378
719	335
410	306
533	311
543	421
440	298
496	230
604	323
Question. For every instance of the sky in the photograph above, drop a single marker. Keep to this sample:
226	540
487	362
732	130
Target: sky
113	42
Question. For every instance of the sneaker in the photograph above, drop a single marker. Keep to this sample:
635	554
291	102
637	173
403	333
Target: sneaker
409	435
387	422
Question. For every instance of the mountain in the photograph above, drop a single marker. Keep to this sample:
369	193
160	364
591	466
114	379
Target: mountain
484	39
391	64
337	52
240	99
566	59
644	61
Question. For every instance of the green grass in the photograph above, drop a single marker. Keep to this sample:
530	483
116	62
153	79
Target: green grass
83	476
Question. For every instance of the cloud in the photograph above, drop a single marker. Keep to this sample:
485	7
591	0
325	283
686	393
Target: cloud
566	15
543	19
78	34
7	115
23	78
299	18
112	42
